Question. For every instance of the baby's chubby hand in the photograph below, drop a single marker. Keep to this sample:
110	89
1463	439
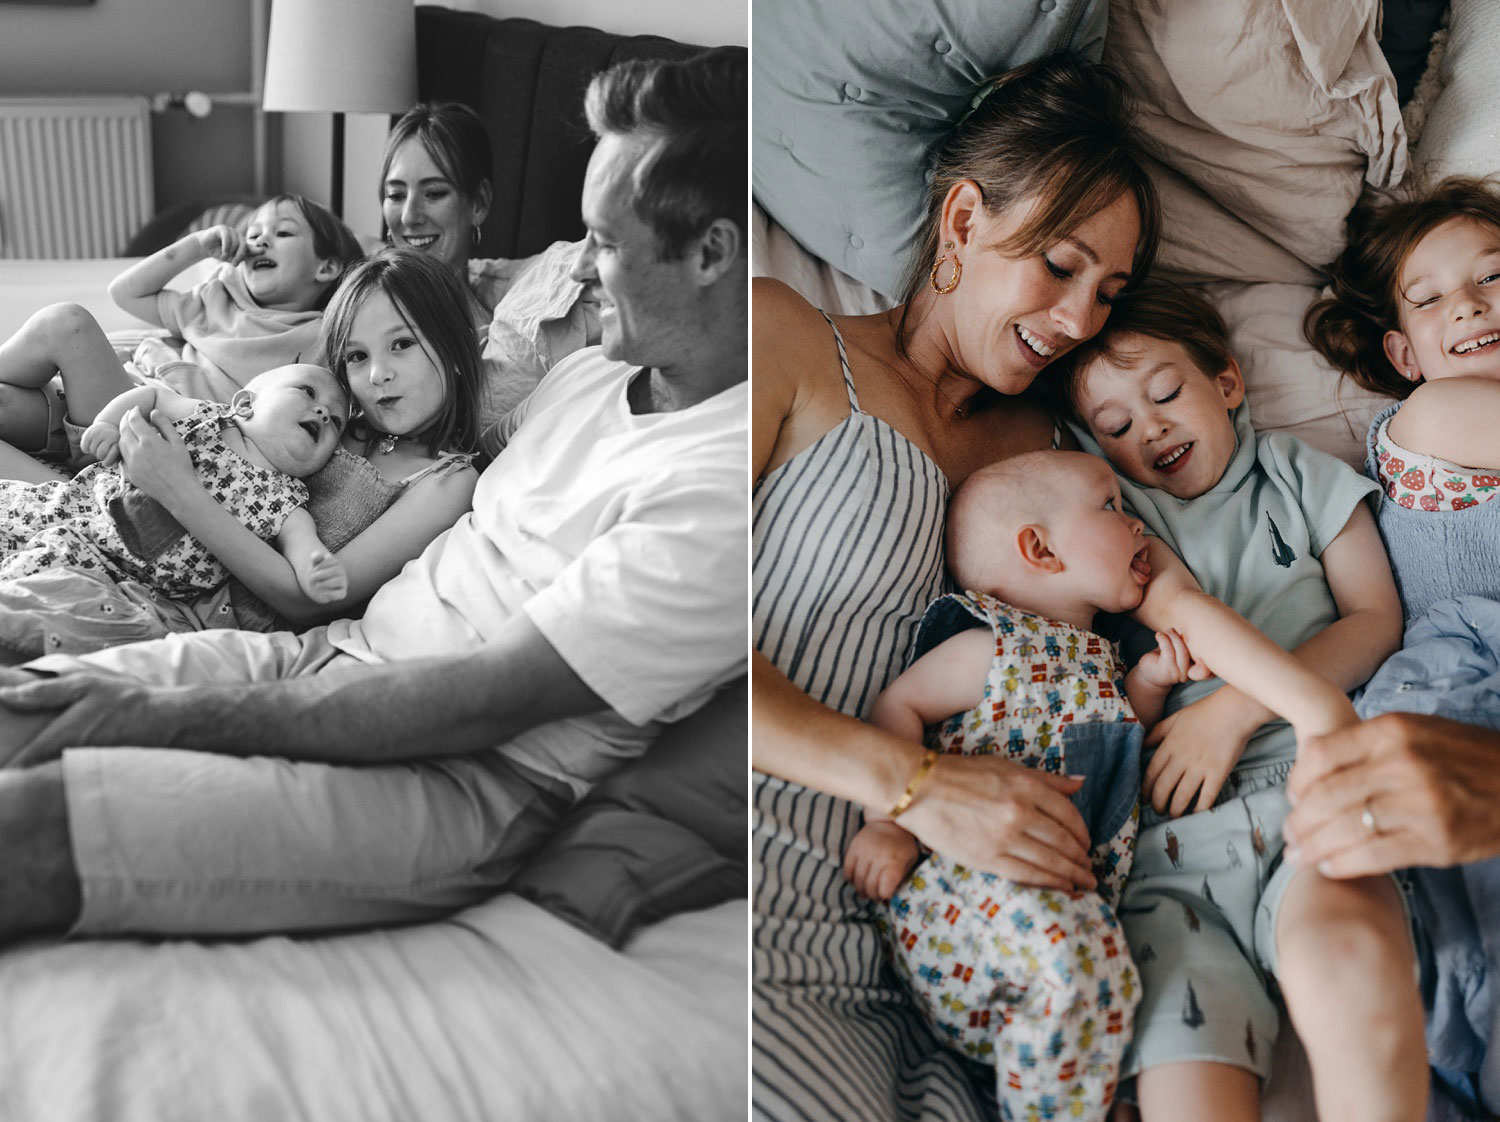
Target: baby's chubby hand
323	577
878	859
1171	662
102	441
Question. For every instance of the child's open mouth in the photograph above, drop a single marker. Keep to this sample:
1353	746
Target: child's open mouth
1478	343
314	429
261	263
1174	460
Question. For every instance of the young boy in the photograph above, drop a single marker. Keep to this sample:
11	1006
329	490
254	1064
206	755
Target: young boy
260	310
1282	535
1034	981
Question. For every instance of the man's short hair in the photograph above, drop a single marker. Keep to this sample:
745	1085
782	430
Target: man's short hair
694	114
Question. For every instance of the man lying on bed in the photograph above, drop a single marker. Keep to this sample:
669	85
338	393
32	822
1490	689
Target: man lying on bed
597	588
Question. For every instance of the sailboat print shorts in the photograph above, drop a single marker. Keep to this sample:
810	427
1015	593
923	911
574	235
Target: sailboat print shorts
1199	912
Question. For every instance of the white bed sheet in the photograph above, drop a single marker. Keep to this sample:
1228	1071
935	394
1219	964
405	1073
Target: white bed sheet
503	1011
29	285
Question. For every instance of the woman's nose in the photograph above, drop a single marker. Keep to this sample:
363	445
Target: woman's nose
411	210
1079	315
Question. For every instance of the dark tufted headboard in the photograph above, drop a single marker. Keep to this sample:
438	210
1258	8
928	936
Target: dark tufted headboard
527	81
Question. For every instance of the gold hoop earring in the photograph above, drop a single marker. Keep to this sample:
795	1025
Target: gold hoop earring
958	272
475	230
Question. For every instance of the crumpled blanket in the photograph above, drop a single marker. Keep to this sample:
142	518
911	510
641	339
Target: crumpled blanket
1449	666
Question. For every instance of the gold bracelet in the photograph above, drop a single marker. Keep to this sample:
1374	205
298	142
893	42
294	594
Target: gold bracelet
915	784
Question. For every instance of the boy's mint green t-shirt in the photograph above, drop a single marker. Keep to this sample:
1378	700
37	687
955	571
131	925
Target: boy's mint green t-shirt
1255	541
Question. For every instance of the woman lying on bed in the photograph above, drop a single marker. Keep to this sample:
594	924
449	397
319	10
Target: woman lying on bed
1038	216
398	338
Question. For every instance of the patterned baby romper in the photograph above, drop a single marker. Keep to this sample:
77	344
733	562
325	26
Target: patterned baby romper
77	522
1038	983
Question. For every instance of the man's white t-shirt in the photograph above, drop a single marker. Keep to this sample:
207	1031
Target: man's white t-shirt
621	536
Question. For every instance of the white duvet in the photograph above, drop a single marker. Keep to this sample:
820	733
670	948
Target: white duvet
501	1012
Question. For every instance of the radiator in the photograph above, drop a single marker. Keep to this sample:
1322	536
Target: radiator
75	175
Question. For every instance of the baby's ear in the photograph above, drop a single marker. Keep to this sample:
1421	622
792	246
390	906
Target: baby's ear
1035	550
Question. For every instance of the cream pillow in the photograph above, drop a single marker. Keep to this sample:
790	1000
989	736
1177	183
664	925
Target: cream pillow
1276	112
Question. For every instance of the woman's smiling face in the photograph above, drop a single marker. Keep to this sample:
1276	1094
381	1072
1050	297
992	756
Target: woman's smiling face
1011	316
424	209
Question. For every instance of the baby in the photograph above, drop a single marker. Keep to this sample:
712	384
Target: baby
260	310
1035	981
251	455
1282	534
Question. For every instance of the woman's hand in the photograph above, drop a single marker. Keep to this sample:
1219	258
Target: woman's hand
1196	749
1396	790
154	457
1002	817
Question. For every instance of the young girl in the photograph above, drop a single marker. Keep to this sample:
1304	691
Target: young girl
250	457
260	310
1415	313
398	336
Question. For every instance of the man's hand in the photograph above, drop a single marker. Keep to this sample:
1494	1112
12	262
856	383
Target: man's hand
40	717
879	857
1196	749
1395	790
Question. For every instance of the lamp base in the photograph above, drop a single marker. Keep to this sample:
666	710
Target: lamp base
336	181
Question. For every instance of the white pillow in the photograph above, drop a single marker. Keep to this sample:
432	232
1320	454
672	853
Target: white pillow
1462	133
1276	111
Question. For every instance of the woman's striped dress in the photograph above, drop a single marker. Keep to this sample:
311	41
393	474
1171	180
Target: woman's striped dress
847	554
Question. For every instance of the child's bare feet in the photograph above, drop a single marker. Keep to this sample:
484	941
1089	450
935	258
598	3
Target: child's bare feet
878	859
323	577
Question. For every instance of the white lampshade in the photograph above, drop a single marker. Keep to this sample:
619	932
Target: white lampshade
342	56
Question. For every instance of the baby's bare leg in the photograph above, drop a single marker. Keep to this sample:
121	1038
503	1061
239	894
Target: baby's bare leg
66	339
1346	970
1189	1092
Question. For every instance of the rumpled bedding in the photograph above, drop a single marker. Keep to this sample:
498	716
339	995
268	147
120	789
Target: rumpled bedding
1449	666
504	1011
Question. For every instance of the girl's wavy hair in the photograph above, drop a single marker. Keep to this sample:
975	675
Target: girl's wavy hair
434	304
1348	328
330	237
1060	130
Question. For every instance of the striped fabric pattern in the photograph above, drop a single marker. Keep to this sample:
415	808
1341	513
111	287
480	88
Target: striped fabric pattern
847	552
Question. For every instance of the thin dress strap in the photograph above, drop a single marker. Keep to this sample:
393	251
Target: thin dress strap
844	362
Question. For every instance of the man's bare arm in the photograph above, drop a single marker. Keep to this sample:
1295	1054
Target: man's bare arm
366	714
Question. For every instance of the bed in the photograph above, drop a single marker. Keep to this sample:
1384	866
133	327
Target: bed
1266	120
609	983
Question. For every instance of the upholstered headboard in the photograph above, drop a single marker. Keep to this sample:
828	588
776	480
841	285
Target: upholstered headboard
527	81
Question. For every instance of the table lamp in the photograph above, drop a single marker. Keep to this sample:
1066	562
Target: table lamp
341	56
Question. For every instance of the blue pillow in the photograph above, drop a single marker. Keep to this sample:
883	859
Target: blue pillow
850	96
